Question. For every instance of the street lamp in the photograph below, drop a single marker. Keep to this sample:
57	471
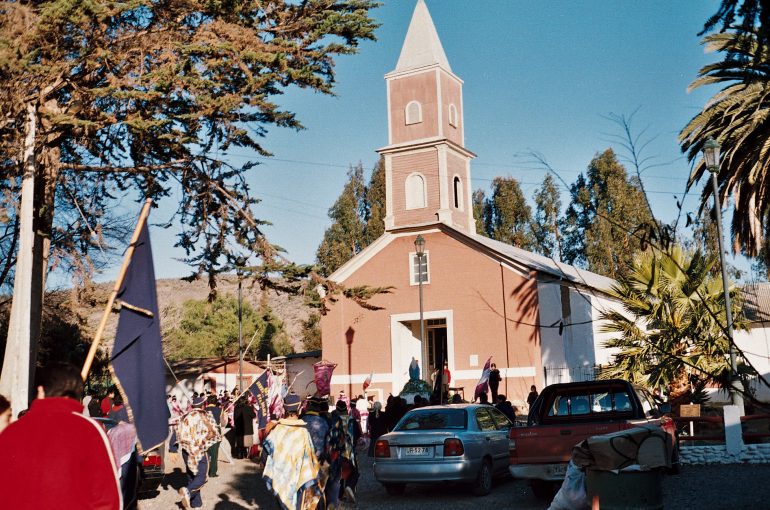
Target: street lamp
240	262
711	159
419	248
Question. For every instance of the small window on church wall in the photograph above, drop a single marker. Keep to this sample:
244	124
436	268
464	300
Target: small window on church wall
413	113
415	192
458	193
452	115
418	268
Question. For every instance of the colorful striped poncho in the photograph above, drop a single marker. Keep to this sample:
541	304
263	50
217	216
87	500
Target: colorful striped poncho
292	470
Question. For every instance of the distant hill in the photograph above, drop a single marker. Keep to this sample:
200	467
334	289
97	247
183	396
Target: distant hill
292	310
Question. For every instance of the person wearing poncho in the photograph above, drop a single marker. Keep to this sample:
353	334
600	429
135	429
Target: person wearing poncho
196	433
292	469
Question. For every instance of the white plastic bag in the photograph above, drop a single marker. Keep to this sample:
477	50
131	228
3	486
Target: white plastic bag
572	495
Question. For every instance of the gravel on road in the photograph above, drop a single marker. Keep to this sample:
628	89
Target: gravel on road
240	486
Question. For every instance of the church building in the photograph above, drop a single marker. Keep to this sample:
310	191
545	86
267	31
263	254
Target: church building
480	297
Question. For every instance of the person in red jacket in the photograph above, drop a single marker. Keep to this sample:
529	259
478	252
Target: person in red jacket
54	457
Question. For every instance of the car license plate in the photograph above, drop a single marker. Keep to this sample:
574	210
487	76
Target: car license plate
559	470
416	451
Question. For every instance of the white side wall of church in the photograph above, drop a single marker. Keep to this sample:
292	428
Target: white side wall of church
755	344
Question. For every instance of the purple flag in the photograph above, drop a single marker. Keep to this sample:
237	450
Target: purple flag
483	384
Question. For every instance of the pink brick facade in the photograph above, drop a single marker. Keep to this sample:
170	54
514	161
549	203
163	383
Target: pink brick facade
468	287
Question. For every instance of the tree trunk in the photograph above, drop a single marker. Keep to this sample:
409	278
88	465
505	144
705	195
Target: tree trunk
18	363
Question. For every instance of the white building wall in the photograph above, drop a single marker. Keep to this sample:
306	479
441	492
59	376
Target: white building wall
551	344
755	344
602	303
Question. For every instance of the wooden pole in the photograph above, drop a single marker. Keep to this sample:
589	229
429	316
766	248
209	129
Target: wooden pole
114	294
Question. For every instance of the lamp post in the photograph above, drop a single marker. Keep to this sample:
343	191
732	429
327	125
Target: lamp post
711	159
419	248
240	262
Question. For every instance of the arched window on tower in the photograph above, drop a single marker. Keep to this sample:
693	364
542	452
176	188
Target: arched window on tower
452	115
413	112
458	193
416	197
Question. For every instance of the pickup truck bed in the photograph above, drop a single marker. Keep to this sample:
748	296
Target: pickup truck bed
566	414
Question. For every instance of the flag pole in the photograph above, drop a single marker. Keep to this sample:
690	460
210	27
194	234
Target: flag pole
114	294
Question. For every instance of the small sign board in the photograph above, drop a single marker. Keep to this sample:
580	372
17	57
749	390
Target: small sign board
689	411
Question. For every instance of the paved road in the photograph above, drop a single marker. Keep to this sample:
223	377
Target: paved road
240	486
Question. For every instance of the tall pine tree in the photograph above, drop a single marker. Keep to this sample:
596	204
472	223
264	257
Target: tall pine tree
545	227
479	208
375	204
601	225
345	237
507	216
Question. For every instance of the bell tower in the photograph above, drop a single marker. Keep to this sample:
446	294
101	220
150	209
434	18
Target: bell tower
427	168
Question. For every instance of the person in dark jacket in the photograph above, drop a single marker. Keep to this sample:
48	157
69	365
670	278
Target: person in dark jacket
244	426
494	381
377	425
505	407
532	396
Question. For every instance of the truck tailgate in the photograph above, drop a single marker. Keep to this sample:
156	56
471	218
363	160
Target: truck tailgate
544	444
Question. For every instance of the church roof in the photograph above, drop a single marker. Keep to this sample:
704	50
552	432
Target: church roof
548	265
422	46
517	257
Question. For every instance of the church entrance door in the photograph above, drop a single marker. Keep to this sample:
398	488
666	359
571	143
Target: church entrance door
436	343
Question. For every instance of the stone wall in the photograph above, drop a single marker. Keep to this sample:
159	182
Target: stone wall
717	454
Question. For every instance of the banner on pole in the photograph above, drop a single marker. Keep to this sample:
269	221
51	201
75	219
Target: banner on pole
137	355
258	390
483	385
322	374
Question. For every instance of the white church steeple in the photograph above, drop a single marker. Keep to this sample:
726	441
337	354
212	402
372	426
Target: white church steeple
422	47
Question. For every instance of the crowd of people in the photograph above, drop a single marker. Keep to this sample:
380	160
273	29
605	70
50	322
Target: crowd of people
309	448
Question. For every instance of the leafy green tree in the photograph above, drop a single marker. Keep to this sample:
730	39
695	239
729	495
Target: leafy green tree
358	218
670	331
507	216
345	237
210	329
311	332
737	117
148	99
545	225
607	210
375	204
479	208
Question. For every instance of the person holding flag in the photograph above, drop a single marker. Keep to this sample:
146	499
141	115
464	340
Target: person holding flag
483	385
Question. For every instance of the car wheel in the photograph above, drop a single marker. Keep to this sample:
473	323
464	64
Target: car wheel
395	489
483	484
543	489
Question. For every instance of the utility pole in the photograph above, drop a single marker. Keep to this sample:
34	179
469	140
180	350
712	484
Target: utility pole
711	159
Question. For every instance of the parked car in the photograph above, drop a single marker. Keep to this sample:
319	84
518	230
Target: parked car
565	414
453	443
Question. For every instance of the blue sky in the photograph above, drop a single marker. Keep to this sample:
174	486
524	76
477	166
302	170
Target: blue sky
538	76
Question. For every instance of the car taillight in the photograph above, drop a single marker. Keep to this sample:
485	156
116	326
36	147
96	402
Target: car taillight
152	460
381	449
453	447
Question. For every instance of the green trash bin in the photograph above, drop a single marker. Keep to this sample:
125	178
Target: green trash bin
626	490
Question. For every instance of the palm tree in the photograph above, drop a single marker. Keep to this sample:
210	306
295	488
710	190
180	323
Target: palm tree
669	334
738	116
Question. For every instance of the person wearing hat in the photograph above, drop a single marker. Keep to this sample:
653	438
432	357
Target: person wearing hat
316	415
197	432
292	469
343	466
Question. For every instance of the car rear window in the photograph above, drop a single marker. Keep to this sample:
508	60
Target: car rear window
597	402
433	419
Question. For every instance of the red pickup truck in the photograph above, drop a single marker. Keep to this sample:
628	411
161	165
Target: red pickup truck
565	414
